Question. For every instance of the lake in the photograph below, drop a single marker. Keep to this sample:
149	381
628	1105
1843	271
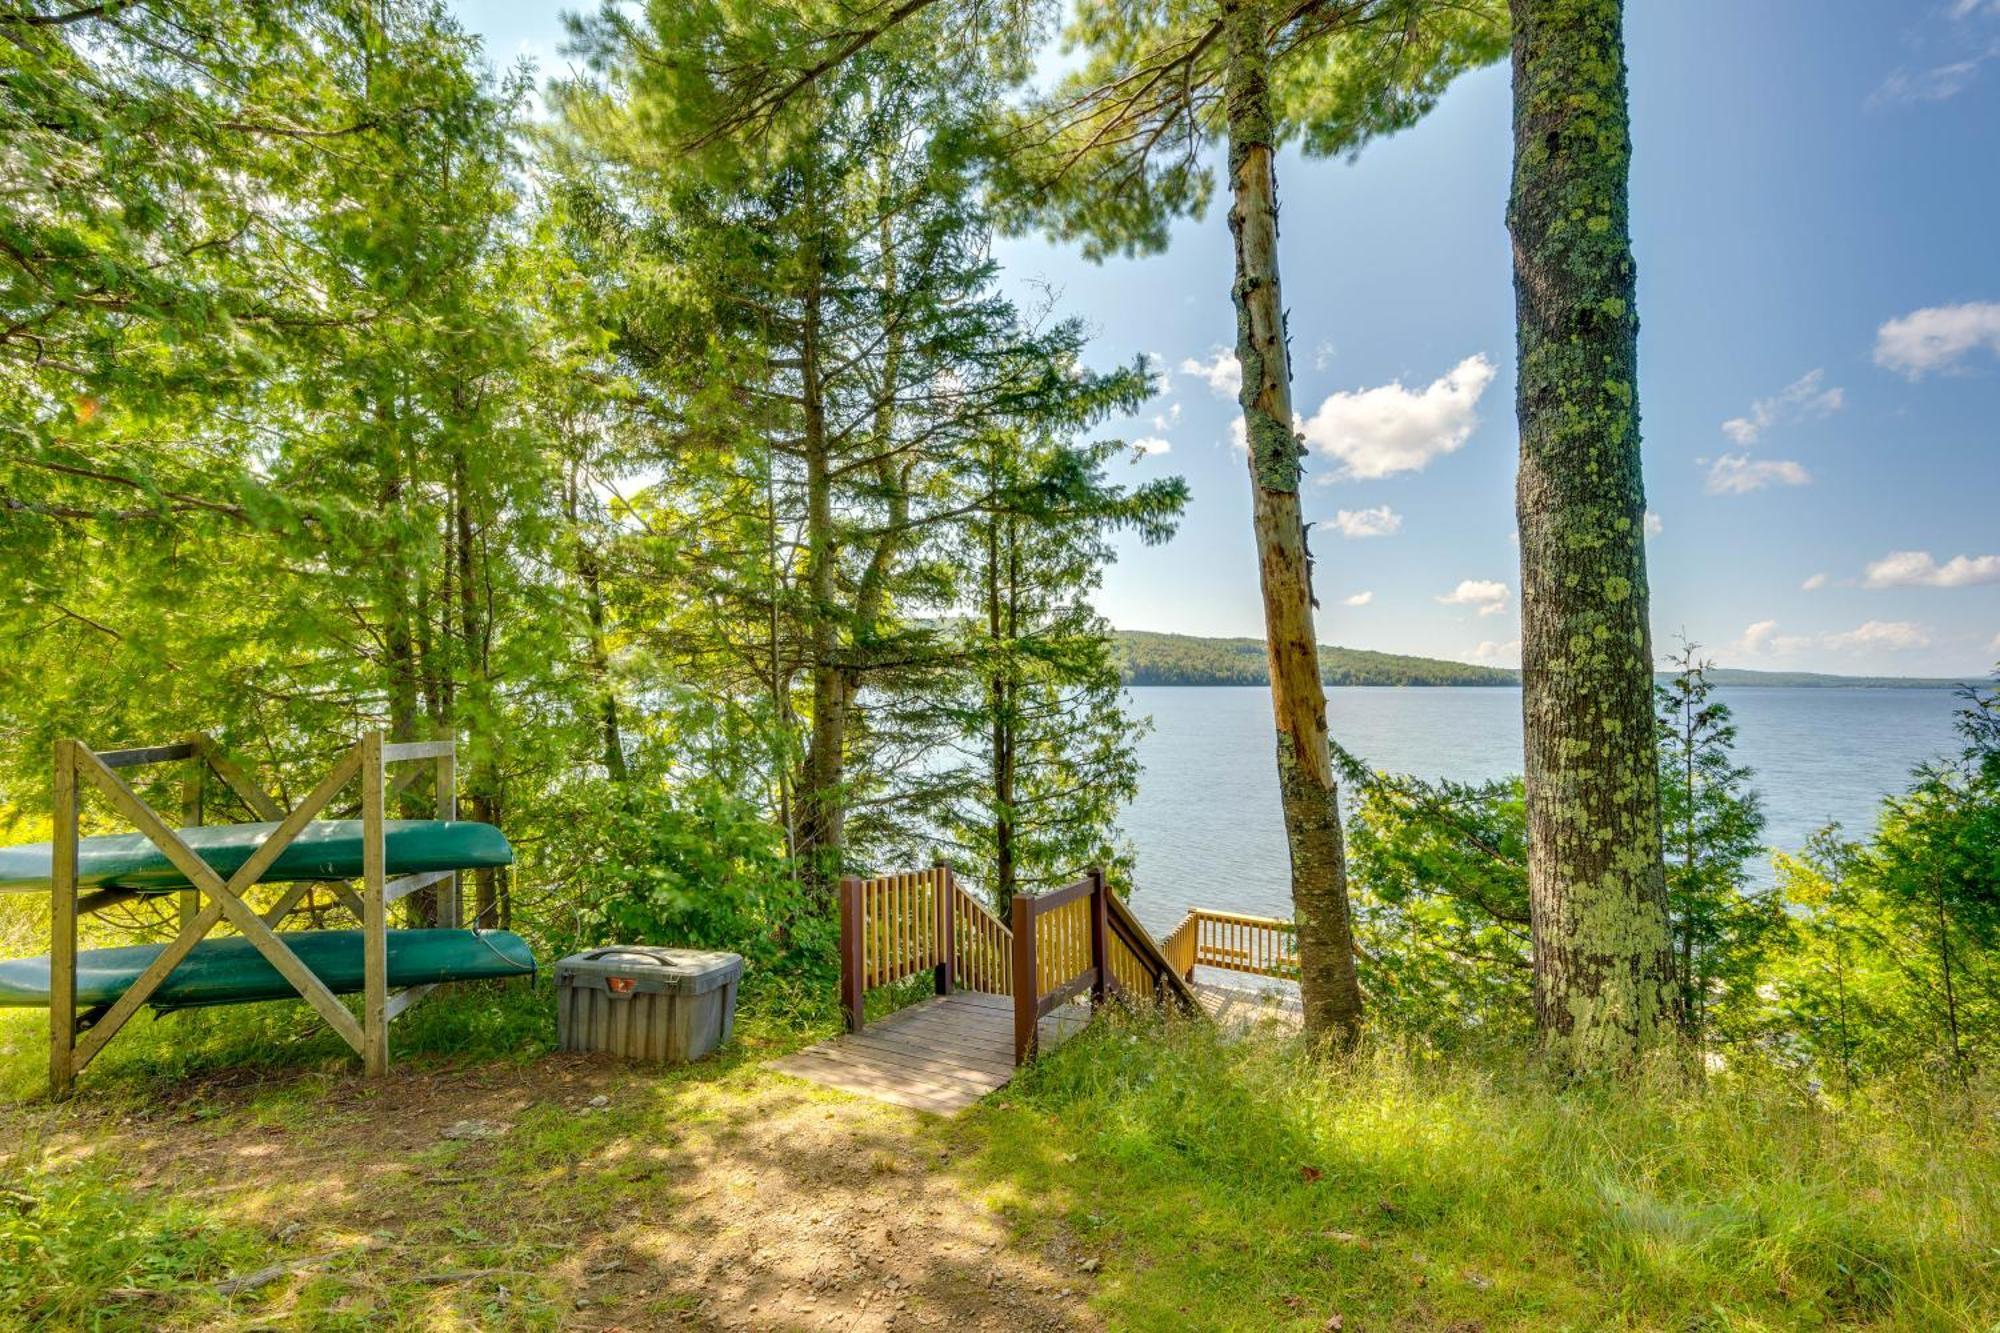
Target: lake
1208	833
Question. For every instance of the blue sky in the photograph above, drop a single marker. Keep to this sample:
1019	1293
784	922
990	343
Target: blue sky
1816	204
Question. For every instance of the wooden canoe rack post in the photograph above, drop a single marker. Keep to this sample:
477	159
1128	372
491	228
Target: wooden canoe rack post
75	1040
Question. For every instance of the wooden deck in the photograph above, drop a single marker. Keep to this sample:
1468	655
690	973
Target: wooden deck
939	1055
1240	1008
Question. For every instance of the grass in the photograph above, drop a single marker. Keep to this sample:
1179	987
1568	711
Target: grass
1245	1186
1206	1184
112	1239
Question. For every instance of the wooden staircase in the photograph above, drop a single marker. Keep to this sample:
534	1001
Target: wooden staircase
1008	989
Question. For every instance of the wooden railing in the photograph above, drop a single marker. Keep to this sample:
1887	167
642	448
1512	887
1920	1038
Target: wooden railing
892	927
1060	938
982	955
1259	945
1076	940
1139	965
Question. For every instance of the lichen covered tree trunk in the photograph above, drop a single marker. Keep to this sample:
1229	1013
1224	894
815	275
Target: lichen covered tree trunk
1332	992
1604	968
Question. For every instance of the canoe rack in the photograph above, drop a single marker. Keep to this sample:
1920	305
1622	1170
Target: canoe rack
75	1039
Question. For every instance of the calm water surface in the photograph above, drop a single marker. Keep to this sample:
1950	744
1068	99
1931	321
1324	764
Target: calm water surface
1206	822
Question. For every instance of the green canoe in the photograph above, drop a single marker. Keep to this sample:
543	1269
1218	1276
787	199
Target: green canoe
325	849
229	970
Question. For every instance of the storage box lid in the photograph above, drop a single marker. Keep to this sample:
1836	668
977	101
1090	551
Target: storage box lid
649	968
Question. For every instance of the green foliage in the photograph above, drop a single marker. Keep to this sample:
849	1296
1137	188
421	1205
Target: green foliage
278	486
1126	142
1894	949
1713	823
1440	881
324	419
685	864
779	333
1254	1185
1059	759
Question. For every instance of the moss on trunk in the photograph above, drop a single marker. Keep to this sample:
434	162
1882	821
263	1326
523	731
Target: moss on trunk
1603	958
1310	798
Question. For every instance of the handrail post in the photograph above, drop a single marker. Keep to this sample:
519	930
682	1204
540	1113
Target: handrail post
1027	1014
944	906
851	944
1100	935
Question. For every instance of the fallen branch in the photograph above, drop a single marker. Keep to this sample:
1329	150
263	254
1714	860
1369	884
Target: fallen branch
465	1275
263	1277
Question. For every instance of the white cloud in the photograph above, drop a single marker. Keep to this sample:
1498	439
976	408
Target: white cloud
1167	420
1756	637
1358	599
1761	639
1501	654
1935	84
1946	56
1239	434
1222	372
1654	527
1389	429
1937	337
1150	445
1813	583
1916	569
1889	635
1323	354
1739	474
1801	400
1380	521
1487	596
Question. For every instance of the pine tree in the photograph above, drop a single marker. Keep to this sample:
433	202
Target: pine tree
1604	975
1111	156
1059	759
1714	825
824	358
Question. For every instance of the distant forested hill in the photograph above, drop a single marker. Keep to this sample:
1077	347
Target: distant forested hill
1185	659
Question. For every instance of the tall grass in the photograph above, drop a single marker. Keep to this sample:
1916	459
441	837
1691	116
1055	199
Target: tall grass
1251	1185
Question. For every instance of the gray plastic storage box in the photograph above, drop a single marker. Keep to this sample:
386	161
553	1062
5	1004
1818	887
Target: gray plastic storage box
669	1005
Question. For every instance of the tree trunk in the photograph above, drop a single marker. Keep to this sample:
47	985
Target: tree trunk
1001	632
1950	991
1604	967
822	803
1310	798
479	781
1691	1016
590	574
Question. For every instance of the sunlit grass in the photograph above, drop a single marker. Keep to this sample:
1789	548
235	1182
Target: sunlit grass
1207	1184
1248	1186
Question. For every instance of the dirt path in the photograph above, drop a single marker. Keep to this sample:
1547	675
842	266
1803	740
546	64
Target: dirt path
565	1194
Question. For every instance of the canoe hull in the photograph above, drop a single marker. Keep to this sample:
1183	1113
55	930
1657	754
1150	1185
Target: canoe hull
326	849
229	970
